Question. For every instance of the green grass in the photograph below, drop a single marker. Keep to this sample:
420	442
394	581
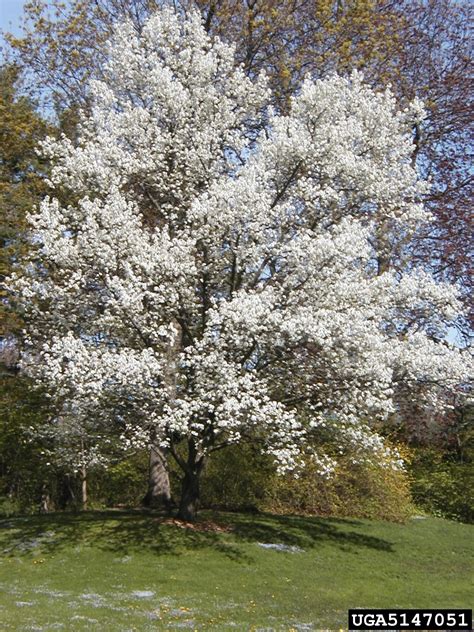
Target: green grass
122	571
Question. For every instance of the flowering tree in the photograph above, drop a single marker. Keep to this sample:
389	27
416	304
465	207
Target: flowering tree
222	275
73	442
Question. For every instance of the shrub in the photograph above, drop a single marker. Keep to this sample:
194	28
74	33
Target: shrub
365	491
442	485
123	483
236	478
9	506
240	478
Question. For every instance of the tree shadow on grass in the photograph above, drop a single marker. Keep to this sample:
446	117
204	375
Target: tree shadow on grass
306	532
119	532
125	532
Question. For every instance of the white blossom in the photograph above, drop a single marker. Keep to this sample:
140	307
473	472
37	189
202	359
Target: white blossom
217	278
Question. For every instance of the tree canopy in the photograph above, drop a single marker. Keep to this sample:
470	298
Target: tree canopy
219	272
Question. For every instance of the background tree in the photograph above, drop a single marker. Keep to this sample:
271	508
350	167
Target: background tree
21	180
205	256
435	63
22	469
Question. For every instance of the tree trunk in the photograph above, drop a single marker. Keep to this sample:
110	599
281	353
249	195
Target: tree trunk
84	488
66	492
189	503
159	490
45	500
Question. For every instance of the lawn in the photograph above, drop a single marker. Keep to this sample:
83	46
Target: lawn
122	571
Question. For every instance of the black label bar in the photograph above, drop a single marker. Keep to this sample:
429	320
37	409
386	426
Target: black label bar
410	619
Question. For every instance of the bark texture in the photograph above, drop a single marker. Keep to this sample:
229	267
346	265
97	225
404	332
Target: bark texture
190	496
158	495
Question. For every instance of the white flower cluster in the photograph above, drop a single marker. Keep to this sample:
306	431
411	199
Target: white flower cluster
219	276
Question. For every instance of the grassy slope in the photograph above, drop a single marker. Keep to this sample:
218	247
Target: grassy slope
127	571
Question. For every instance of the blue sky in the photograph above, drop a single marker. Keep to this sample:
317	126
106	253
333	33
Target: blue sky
10	12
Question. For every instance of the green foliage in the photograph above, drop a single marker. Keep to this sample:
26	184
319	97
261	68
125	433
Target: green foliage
21	177
23	470
236	478
9	506
240	478
355	490
443	486
122	484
